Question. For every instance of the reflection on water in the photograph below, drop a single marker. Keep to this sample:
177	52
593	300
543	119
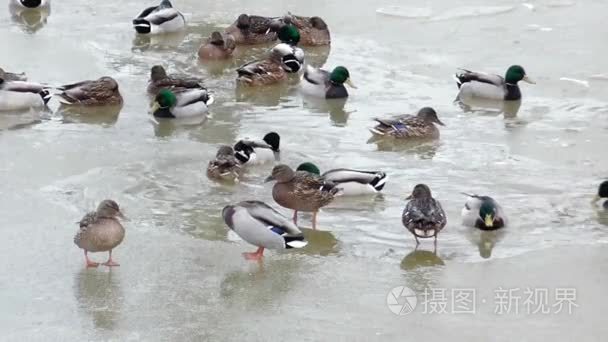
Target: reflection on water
99	294
421	258
423	149
333	107
261	285
602	217
320	242
485	240
102	115
490	107
164	127
267	96
160	42
30	20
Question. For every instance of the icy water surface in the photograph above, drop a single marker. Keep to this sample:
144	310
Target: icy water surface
182	277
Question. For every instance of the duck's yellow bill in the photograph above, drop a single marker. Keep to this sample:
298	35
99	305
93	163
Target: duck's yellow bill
528	80
155	107
350	83
489	221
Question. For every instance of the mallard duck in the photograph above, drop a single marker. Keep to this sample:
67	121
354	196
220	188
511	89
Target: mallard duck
269	70
217	47
350	182
409	126
20	95
324	84
186	103
289	34
160	80
251	152
602	195
300	191
314	30
31	3
492	87
483	212
259	224
254	29
423	215
225	166
159	19
101	231
11	76
101	92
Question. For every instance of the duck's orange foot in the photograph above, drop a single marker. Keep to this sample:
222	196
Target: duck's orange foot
111	263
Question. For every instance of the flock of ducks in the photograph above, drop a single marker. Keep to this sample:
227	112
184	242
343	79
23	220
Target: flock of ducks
304	189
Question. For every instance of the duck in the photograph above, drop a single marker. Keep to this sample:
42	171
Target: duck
423	215
101	231
12	76
180	104
289	34
254	29
217	47
267	71
421	126
225	166
31	4
314	30
21	95
602	195
260	225
159	19
482	212
160	80
255	152
301	191
101	92
323	84
350	182
473	84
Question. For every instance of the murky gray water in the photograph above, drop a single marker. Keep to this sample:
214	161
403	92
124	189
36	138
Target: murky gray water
182	276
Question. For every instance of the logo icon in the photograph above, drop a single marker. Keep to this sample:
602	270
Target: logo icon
401	300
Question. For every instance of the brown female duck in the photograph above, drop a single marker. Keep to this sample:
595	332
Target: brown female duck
225	166
300	191
254	29
100	231
217	46
423	215
408	126
101	92
159	80
313	30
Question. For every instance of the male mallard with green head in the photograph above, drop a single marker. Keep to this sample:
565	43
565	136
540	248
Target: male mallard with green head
350	182
217	47
492	87
180	104
421	126
423	215
160	80
269	70
100	92
101	231
290	35
225	166
259	224
300	191
254	29
483	212
314	30
325	84
602	195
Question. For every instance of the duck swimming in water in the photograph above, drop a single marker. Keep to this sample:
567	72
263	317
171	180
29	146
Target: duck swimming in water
473	84
483	212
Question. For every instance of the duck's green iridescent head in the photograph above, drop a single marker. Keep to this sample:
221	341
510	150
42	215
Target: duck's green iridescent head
165	99
289	34
310	168
340	75
516	73
487	211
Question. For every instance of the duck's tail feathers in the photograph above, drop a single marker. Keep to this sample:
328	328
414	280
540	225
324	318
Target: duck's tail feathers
142	26
379	181
295	241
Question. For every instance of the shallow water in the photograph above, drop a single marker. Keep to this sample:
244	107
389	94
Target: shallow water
182	276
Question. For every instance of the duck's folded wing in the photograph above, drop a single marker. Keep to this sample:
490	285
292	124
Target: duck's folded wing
146	12
316	76
23	87
87	220
348	175
190	96
251	68
265	213
470	76
162	16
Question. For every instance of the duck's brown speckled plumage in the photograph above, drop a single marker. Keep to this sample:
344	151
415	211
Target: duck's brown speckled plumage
264	71
303	192
103	91
217	46
423	216
159	79
100	231
313	30
409	126
225	166
254	29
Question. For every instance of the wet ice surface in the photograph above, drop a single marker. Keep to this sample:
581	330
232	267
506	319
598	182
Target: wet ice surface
182	276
